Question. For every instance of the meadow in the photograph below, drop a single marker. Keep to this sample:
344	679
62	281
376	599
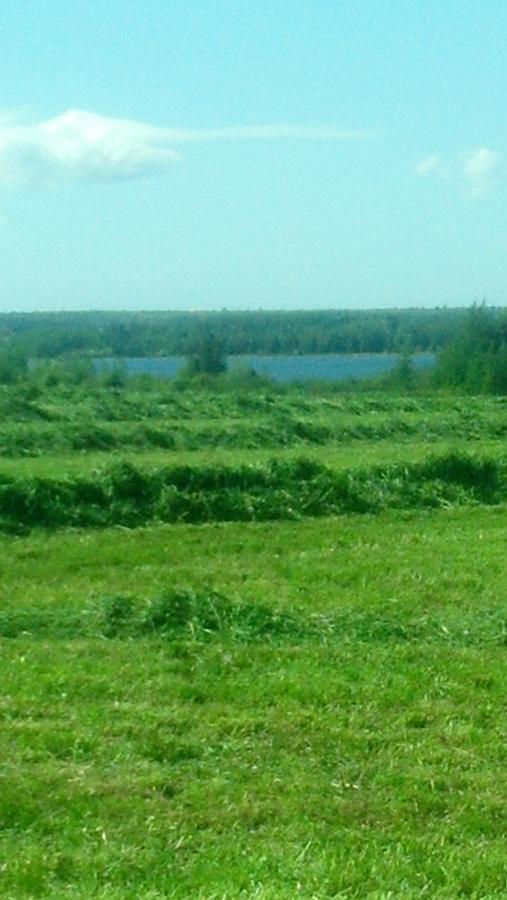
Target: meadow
253	643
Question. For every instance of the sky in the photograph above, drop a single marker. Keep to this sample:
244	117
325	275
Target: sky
246	154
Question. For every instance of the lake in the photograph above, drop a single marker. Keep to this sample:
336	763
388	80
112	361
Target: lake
324	367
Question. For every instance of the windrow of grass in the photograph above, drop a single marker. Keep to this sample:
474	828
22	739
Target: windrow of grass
197	616
70	422
30	440
123	494
70	403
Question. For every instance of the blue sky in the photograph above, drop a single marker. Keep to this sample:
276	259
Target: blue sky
172	154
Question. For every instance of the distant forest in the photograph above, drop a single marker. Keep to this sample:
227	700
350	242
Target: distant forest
122	334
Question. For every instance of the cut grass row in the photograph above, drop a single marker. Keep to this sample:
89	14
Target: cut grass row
207	615
71	403
124	494
336	456
17	440
118	422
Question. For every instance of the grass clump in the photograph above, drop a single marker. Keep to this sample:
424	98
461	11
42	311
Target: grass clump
198	615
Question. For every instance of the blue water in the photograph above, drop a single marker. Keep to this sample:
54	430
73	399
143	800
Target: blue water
324	367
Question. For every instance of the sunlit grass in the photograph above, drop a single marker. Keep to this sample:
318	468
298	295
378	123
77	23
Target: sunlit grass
271	710
337	456
319	766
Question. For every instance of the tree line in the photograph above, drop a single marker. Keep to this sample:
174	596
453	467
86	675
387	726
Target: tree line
470	345
123	334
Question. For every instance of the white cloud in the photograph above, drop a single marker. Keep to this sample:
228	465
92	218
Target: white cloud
83	146
79	146
431	165
482	170
479	172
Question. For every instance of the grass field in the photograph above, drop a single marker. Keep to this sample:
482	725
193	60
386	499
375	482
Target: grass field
263	709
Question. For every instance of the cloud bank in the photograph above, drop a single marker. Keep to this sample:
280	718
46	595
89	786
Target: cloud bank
82	146
479	172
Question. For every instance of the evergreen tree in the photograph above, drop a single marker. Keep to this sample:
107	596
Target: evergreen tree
209	358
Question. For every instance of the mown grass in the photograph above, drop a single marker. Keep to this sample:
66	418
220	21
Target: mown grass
306	701
124	494
337	456
337	731
68	421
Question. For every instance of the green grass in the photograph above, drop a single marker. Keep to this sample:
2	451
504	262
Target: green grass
337	456
361	757
67	421
123	494
306	708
